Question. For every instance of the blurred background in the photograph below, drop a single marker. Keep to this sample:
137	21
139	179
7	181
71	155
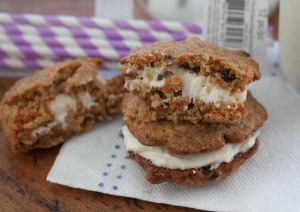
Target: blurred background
35	34
121	9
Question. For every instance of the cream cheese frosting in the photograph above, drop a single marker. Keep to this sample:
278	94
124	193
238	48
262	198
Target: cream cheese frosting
162	158
200	87
194	86
59	108
86	100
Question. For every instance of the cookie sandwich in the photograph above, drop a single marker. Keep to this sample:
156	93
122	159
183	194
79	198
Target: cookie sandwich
189	117
66	98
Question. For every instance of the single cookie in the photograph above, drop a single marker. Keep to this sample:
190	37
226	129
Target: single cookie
185	138
192	177
43	110
153	108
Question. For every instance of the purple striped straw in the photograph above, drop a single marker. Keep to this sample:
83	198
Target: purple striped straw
30	40
95	22
109	34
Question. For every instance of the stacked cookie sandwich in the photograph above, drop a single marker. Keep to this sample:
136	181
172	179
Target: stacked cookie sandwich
189	117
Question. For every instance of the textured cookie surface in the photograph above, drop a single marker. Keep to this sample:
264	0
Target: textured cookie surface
153	108
192	177
56	73
196	55
186	138
115	93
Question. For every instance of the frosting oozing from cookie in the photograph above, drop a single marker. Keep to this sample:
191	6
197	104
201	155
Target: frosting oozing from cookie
162	158
189	84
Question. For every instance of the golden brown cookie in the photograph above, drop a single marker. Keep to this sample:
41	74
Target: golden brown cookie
115	93
153	108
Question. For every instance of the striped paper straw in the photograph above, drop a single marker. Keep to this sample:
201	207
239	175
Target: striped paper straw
63	52
34	41
93	22
110	34
85	43
36	64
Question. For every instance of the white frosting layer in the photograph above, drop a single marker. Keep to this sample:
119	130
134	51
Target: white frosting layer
194	86
150	77
200	87
43	129
162	158
86	100
59	107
